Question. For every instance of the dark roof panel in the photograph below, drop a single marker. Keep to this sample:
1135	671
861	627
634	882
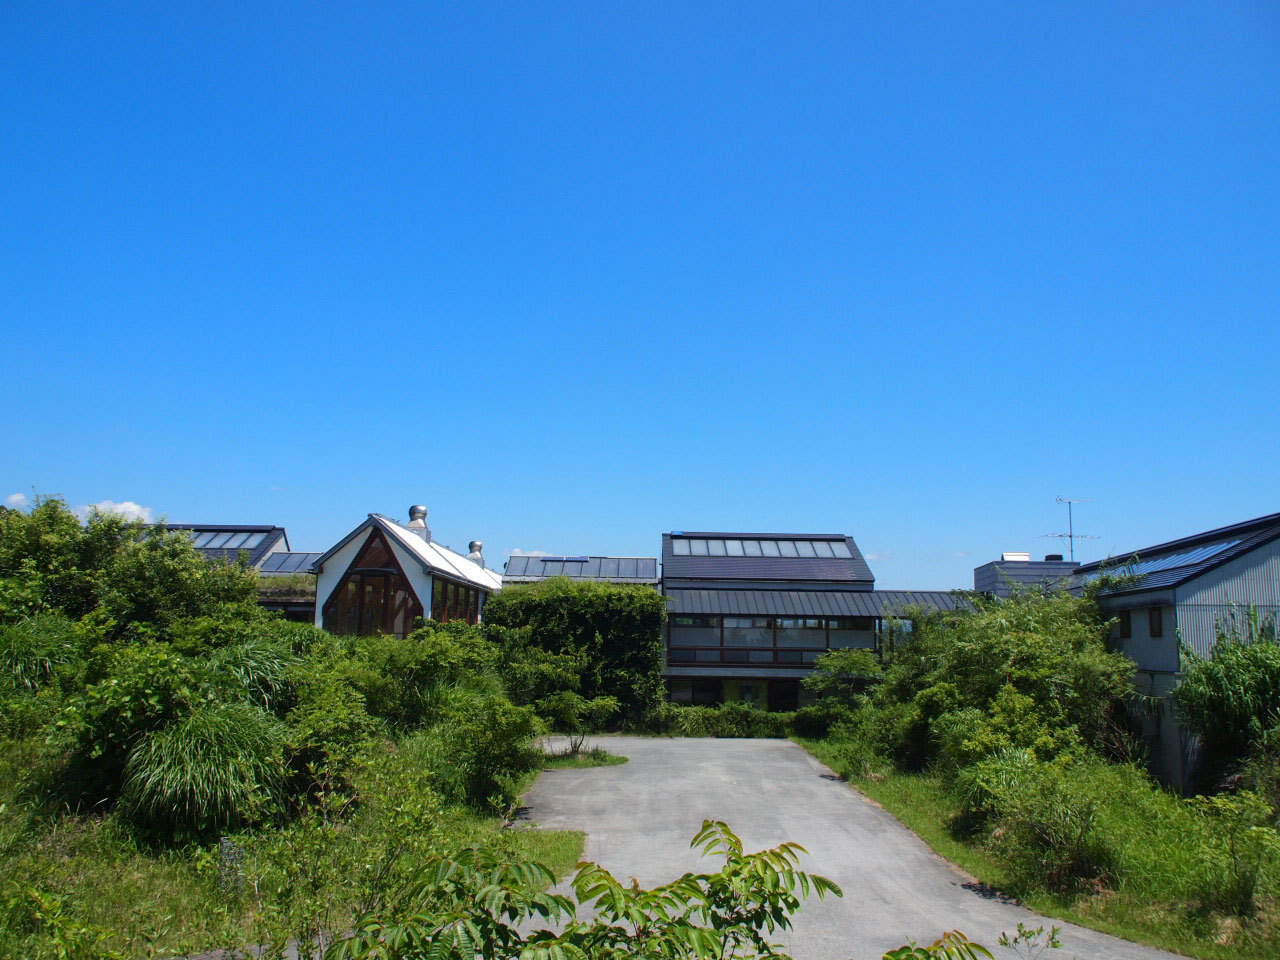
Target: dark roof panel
283	562
763	556
226	541
1177	561
522	569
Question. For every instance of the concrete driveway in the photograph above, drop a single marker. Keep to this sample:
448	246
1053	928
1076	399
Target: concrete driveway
640	816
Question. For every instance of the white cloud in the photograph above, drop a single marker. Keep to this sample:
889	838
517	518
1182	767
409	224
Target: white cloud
960	554
881	555
125	508
17	500
517	552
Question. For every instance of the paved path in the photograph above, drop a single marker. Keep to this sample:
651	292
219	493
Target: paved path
640	816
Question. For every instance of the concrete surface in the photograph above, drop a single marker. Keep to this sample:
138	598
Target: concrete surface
640	816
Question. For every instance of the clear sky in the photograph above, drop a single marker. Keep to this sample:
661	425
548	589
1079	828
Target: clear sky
573	275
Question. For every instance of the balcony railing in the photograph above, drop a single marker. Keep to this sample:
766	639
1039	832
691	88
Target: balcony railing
744	656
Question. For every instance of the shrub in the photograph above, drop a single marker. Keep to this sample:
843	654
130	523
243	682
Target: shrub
1232	698
257	670
817	720
329	726
480	751
610	634
844	675
218	767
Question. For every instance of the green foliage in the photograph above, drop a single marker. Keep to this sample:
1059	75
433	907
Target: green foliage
1248	845
732	719
1232	699
34	650
817	720
570	713
214	769
843	675
609	636
952	945
480	905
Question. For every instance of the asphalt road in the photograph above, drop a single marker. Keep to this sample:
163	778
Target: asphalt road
640	816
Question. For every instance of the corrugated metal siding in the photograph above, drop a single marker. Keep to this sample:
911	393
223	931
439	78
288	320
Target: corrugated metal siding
808	603
1250	580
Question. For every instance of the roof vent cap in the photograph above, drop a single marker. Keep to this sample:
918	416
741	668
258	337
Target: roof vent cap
1051	557
476	555
418	521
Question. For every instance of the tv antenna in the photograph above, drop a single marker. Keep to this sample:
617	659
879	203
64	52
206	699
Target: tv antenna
1071	536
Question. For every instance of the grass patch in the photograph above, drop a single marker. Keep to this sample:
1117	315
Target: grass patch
584	759
1138	909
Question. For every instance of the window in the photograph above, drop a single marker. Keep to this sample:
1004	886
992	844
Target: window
1126	627
695	630
373	596
748	632
1155	622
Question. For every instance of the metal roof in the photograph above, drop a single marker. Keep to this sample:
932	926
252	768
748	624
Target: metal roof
433	557
226	541
1177	561
690	555
284	562
811	603
523	569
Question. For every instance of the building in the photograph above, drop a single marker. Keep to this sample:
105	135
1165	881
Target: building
1180	593
384	575
749	613
634	570
1017	571
285	583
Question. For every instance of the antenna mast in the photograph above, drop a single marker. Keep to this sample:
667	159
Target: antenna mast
1071	536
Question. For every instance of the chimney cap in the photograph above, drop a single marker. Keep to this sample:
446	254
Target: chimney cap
417	512
1052	556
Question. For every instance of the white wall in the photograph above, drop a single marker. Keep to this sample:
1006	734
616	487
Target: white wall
336	566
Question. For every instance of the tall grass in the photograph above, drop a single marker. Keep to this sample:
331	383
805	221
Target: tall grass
217	768
31	650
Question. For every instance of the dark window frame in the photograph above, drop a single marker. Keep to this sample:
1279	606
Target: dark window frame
345	612
1126	624
1155	622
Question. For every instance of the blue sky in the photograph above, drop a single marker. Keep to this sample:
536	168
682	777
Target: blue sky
573	275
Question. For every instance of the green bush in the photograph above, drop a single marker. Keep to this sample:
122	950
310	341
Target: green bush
217	768
1232	699
817	720
733	719
611	635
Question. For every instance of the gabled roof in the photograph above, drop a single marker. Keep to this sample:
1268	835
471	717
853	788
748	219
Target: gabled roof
523	569
433	557
1177	561
225	541
762	556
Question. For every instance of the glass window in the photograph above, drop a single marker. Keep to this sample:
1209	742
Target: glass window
805	548
733	548
437	599
715	548
254	540
203	539
236	542
698	630
218	540
679	547
761	656
789	656
841	549
823	548
1155	622
680	691
735	656
698	548
751	548
769	548
748	632
707	656
787	548
802	632
1126	629
681	656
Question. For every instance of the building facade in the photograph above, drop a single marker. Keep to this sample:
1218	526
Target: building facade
384	575
1017	571
1183	593
750	613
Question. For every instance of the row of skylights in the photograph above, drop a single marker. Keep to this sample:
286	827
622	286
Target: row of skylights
218	540
697	547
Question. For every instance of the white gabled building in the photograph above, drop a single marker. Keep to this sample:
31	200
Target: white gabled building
384	575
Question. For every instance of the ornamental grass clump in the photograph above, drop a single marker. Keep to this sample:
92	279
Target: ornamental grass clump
218	768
